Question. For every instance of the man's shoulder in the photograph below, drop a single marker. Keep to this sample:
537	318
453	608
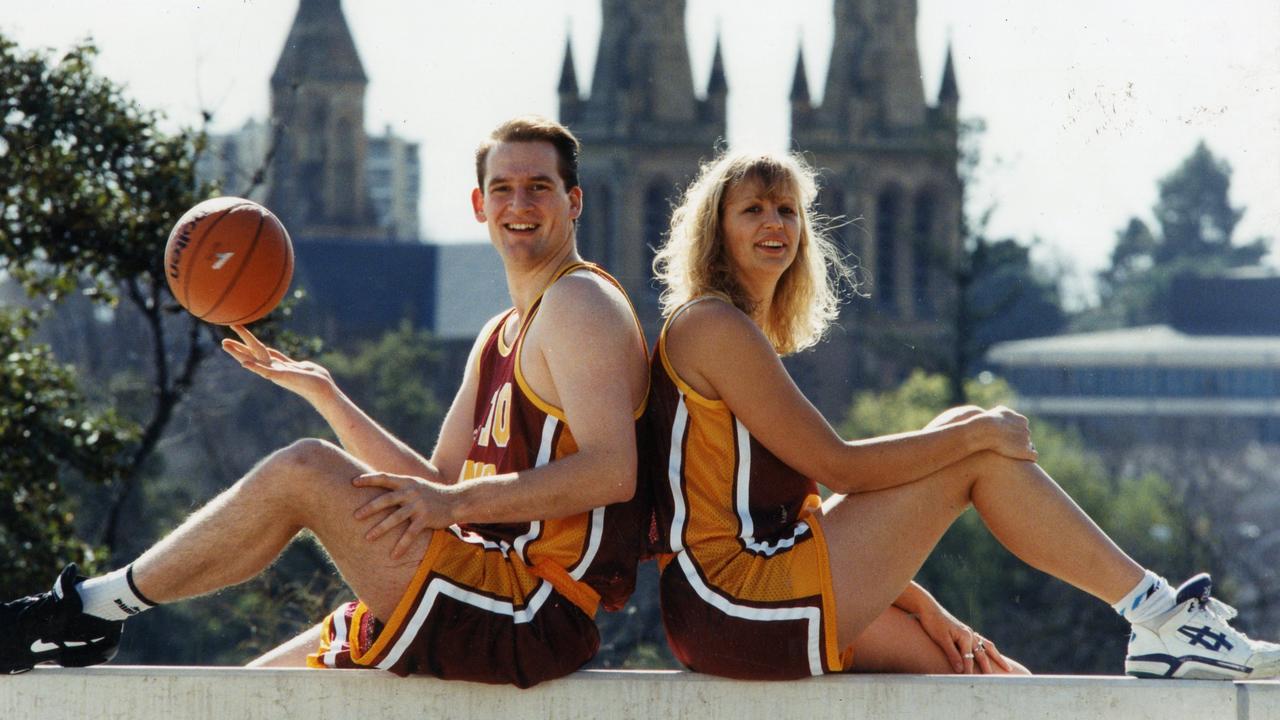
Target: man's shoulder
586	296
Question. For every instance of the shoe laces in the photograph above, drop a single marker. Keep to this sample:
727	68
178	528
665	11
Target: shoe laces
1218	609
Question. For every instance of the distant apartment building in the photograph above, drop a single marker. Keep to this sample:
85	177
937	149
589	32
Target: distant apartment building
1213	372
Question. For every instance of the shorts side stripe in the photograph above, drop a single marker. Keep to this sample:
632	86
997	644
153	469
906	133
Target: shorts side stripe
812	614
441	586
338	642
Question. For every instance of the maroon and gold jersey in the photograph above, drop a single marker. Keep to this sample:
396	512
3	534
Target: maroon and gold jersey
510	602
746	588
588	554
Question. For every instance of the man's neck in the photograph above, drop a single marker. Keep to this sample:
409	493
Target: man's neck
526	283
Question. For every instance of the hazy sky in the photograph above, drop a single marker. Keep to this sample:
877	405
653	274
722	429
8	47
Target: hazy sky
1087	103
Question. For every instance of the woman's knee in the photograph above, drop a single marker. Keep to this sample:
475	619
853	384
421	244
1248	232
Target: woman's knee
954	415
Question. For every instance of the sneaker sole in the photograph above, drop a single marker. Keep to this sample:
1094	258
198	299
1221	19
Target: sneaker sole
1193	667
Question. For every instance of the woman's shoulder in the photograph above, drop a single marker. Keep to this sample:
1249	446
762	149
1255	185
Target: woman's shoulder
711	324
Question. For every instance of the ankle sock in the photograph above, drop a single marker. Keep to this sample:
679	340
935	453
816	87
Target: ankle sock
1149	599
113	596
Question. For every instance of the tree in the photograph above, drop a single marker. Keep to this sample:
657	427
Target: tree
90	189
1042	622
1000	293
47	431
1196	226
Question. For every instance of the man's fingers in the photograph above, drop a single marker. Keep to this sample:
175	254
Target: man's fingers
398	517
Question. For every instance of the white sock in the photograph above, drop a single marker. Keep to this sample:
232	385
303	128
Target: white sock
113	596
1149	599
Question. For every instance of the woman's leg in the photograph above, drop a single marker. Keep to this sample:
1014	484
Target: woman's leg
896	643
878	541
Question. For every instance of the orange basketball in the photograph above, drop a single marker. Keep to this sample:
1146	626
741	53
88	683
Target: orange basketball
228	261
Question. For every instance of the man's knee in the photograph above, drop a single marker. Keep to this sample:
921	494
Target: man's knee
300	466
954	415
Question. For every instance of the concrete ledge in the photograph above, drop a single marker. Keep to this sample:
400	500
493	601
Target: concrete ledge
182	693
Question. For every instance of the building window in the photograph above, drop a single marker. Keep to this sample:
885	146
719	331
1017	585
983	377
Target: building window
888	220
657	216
831	205
925	254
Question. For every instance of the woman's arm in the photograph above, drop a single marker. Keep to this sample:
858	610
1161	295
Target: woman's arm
722	354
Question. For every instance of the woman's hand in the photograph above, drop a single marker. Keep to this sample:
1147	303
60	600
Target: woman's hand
415	503
1007	433
303	377
967	651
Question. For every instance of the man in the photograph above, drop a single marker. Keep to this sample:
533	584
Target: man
485	562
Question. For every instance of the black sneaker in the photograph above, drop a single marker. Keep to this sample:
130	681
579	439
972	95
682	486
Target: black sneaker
50	627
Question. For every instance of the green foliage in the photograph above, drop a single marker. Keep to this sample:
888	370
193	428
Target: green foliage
91	187
1045	624
1196	226
47	431
391	378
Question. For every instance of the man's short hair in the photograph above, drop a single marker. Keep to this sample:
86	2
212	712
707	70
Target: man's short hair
534	128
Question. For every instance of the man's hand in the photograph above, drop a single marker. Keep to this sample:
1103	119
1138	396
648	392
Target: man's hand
414	502
305	378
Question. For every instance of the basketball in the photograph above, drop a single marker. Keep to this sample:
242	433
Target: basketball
228	261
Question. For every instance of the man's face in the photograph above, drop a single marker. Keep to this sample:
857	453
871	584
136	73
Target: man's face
529	213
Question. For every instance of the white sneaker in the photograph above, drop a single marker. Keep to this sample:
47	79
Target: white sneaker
1193	641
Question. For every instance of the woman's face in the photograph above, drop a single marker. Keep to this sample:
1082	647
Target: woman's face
761	234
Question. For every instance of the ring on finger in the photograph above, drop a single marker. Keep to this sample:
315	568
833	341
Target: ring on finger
968	656
982	647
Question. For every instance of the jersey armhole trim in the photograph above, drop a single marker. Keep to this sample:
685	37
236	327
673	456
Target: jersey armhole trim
680	383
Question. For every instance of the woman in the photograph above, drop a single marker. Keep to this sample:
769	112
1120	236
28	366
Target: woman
762	580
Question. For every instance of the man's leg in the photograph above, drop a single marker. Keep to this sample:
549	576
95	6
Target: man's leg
293	653
240	532
233	538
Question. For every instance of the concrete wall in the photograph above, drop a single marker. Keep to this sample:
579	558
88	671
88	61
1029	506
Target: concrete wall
169	693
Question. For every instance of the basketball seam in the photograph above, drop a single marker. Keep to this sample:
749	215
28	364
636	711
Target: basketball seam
286	269
235	280
194	251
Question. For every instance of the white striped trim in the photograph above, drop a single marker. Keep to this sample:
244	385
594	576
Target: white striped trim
764	548
475	538
441	586
742	501
742	496
339	641
719	602
593	544
546	443
674	474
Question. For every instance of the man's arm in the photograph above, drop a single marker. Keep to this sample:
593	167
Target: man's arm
358	433
585	345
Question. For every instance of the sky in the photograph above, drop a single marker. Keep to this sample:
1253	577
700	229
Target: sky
1086	104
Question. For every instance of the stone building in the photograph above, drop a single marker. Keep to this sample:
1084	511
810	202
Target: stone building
644	129
313	163
889	174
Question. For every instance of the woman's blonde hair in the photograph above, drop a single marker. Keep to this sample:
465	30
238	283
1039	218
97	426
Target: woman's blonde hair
693	262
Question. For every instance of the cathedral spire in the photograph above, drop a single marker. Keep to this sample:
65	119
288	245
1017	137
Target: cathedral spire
568	76
717	84
800	81
949	92
319	47
570	98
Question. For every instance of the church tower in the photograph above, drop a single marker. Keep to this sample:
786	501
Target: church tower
316	179
644	130
888	160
